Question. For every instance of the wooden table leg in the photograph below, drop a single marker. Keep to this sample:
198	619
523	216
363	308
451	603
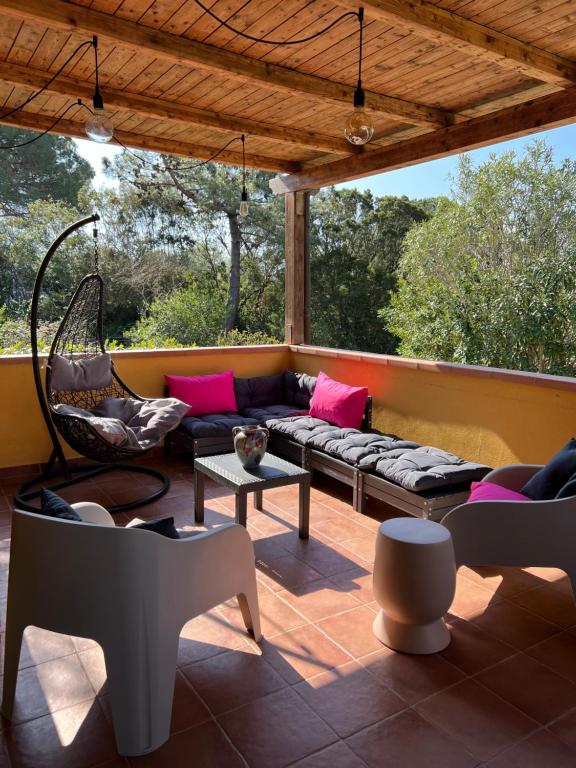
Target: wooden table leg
198	497
304	505
241	508
258	502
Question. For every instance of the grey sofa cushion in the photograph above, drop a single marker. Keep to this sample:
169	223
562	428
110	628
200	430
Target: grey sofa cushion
298	389
259	391
357	448
423	468
299	428
214	424
272	412
81	374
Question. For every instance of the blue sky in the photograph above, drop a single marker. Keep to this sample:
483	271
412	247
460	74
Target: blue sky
425	180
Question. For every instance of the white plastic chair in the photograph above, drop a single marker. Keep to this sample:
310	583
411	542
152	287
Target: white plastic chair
130	590
515	533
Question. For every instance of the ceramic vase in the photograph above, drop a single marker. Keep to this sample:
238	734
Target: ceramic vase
250	443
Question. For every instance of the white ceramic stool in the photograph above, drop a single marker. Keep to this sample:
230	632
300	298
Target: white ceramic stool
414	583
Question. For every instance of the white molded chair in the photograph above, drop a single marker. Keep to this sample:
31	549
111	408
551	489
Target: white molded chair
516	533
130	590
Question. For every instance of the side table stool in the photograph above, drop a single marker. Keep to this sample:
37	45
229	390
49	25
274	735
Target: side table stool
414	583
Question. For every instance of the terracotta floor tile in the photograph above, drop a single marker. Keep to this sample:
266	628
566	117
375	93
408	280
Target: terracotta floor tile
39	645
276	616
353	631
409	741
471	649
336	756
49	687
187	709
558	653
482	722
83	643
546	574
504	581
75	737
208	635
514	625
340	529
277	730
349	699
285	572
471	600
302	653
412	677
357	582
540	750
205	746
320	599
232	679
550	604
329	559
531	687
92	661
565	729
363	546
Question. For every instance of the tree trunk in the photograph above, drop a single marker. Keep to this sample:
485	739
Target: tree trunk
234	283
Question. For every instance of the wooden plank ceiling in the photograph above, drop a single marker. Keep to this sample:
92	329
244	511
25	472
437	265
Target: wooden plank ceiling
439	75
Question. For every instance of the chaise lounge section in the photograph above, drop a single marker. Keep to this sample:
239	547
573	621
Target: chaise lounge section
422	480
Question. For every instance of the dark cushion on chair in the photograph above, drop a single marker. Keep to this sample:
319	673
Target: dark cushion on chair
568	489
259	391
298	389
53	505
214	425
164	526
264	414
549	480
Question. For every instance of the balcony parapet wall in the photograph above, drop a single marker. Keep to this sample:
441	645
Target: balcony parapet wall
485	414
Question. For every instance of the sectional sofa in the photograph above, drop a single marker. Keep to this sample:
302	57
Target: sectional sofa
422	480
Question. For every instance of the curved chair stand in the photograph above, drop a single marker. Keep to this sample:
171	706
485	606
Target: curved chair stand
97	581
79	334
515	533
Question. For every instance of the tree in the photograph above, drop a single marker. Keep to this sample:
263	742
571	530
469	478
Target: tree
50	168
356	240
490	279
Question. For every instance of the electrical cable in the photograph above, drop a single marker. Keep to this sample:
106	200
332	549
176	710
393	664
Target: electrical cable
263	40
175	169
50	128
49	83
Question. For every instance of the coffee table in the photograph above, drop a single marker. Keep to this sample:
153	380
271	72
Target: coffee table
272	472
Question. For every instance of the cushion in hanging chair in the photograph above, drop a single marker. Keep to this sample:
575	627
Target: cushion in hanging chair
128	423
86	373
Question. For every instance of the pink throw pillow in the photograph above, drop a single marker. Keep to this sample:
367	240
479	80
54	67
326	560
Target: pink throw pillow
213	393
493	492
338	403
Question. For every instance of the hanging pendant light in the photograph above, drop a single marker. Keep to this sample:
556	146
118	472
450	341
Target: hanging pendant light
244	196
359	127
98	128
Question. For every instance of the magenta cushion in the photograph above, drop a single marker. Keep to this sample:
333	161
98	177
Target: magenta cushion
493	492
213	393
338	403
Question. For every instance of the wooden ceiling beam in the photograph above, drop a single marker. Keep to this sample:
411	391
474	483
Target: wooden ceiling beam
166	110
441	26
532	116
163	45
75	129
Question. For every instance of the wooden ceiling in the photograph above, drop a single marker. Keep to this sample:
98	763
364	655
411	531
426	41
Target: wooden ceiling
439	75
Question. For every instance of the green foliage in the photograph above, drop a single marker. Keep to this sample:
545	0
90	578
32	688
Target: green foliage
50	168
490	278
236	338
15	335
356	240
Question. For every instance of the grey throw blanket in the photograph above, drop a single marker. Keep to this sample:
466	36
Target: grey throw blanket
133	424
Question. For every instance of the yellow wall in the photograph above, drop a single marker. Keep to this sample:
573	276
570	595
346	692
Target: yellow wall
496	417
24	438
493	416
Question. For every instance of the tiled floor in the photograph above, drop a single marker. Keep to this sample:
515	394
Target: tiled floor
319	691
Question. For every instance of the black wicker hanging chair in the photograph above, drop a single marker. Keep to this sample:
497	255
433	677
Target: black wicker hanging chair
80	336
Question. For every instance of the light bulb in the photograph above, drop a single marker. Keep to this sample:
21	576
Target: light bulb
244	204
98	127
359	128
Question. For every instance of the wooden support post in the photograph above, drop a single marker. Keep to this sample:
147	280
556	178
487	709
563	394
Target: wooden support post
297	279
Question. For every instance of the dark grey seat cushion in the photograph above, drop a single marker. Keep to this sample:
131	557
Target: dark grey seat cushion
298	389
264	414
410	465
424	467
213	424
259	391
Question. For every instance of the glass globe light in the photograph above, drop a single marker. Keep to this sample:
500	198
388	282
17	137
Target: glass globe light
99	128
359	128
